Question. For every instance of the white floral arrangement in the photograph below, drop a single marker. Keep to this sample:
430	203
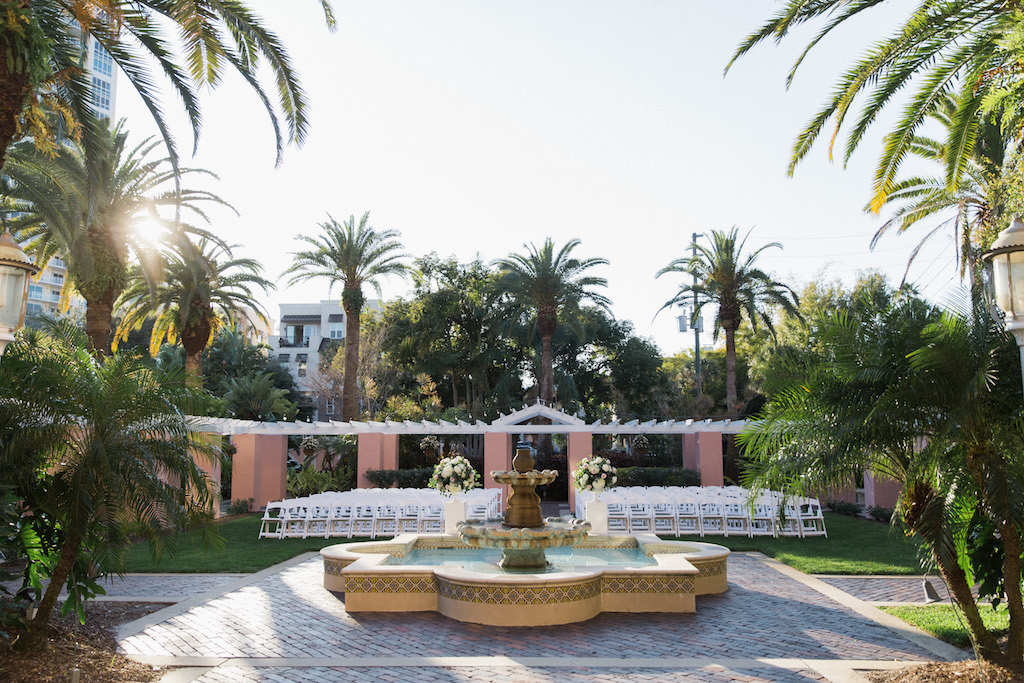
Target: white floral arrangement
594	474
454	475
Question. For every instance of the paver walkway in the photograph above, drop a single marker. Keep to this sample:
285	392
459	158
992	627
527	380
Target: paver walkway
774	624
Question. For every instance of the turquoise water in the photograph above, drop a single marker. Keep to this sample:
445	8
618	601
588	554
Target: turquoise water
559	559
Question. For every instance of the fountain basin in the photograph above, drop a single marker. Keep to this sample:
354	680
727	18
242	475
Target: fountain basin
372	581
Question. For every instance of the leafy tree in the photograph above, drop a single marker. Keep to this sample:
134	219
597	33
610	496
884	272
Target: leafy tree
100	451
733	282
965	49
354	255
553	285
202	287
930	400
42	43
82	204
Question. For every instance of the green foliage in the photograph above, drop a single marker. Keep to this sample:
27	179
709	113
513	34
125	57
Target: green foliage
255	397
308	481
658	476
384	479
89	448
878	513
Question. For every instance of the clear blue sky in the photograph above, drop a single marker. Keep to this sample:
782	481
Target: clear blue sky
473	127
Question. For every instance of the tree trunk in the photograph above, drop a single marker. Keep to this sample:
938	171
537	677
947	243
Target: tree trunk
1011	580
98	316
61	572
547	375
960	591
14	88
730	366
349	396
194	338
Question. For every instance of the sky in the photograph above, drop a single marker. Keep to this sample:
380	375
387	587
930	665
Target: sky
474	128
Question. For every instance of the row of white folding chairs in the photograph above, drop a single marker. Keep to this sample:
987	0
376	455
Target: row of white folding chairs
712	513
370	517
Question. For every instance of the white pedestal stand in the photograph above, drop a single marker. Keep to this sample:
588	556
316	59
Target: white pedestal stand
597	515
454	512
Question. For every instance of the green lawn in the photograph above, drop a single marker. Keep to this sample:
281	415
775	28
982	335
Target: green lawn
941	621
240	551
854	546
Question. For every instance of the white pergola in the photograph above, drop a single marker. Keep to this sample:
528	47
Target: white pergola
261	447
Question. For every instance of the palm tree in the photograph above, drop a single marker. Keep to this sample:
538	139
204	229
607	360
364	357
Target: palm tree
57	209
351	254
42	43
202	287
723	276
975	203
554	285
956	48
102	452
929	400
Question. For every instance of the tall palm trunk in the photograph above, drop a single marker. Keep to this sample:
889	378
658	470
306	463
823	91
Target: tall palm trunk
353	305
1012	582
99	312
14	88
730	365
194	338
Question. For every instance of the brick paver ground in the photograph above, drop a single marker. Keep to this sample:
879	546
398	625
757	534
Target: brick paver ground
887	588
159	587
287	614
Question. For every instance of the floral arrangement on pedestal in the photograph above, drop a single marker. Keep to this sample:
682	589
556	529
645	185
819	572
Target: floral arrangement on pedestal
594	474
454	474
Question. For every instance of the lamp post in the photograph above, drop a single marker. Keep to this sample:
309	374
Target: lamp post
15	271
1005	260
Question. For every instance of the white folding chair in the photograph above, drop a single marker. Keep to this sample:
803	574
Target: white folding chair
664	518
712	516
317	520
272	524
293	524
737	516
688	518
762	518
408	521
385	521
618	517
641	518
432	518
339	523
362	519
812	521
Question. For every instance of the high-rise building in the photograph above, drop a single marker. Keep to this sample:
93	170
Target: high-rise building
44	291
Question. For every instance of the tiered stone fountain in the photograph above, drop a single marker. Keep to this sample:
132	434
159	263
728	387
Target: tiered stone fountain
422	572
524	535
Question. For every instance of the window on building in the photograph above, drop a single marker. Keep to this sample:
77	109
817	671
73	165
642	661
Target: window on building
35	291
300	368
283	357
331	405
101	94
337	331
33	309
102	63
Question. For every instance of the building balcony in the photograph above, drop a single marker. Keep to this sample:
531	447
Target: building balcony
283	343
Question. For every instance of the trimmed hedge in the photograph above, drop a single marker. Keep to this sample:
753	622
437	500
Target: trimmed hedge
657	476
404	479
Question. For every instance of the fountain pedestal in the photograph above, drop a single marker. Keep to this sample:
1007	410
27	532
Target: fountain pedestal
524	535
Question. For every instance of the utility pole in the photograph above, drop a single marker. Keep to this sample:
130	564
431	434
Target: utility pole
696	327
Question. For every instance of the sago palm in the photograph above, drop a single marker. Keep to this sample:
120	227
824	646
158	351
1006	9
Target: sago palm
553	284
725	277
190	45
351	254
929	400
101	451
202	287
58	210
